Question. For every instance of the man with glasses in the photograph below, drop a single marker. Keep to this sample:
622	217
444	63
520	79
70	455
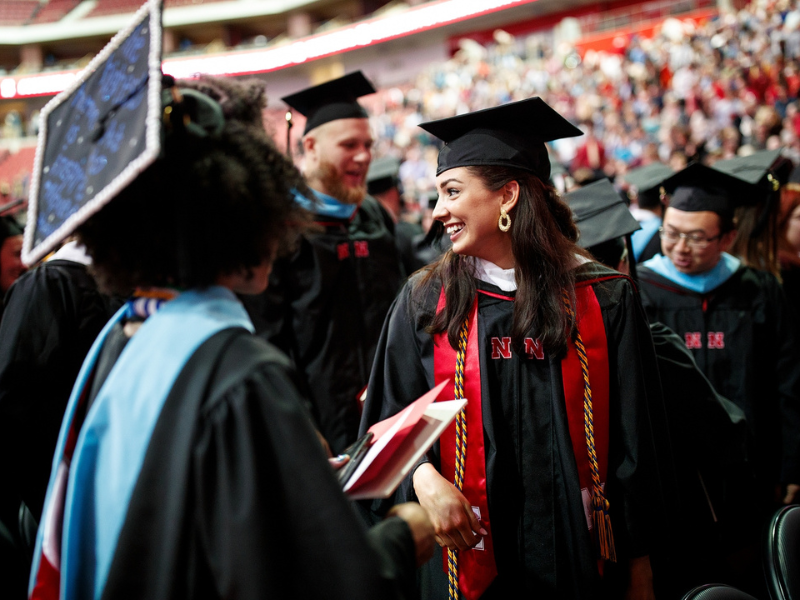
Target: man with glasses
735	321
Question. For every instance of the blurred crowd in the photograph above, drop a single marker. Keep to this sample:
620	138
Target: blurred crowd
692	92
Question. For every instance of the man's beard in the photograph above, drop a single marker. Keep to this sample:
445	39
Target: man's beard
327	175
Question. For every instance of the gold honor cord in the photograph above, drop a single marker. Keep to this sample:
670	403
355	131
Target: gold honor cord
461	448
600	516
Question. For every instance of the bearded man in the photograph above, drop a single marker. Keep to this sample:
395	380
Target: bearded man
325	304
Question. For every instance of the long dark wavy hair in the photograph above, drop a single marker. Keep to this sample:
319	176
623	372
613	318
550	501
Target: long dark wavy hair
543	237
208	207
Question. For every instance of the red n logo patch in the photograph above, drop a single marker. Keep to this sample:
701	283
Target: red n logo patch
501	347
716	340
694	341
362	249
533	348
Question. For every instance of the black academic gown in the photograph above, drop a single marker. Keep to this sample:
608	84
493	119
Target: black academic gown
741	338
542	545
325	306
53	314
709	452
235	498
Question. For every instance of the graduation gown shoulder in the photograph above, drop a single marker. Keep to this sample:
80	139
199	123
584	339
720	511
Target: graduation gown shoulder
53	314
324	307
236	500
539	526
740	335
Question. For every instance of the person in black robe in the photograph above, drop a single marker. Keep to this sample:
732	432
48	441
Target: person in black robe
538	522
383	184
52	316
327	301
736	323
704	441
187	465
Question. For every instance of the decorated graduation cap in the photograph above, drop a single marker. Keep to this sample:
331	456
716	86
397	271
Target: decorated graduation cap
699	188
647	182
510	135
600	213
383	175
332	100
97	135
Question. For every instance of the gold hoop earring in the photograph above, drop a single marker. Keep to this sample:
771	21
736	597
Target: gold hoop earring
505	221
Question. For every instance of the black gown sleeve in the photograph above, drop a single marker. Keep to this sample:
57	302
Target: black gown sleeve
638	462
53	314
401	373
270	512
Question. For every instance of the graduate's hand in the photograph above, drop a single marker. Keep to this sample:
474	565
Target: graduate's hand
455	524
421	528
792	497
337	462
640	584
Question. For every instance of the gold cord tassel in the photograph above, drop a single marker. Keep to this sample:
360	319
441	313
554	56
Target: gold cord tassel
461	450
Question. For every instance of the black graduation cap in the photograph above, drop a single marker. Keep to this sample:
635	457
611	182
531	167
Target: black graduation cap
700	188
383	174
647	182
600	213
332	100
510	135
764	168
97	135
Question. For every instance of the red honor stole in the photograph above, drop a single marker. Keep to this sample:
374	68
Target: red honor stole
477	568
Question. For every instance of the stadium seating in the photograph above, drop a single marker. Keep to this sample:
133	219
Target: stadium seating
53	11
17	165
112	7
16	12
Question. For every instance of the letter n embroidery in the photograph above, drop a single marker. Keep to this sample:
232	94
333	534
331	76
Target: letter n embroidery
533	348
501	348
343	250
694	340
716	340
362	249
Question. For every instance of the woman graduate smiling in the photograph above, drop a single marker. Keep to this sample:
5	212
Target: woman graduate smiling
546	483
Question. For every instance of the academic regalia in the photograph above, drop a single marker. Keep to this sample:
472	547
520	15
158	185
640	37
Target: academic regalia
740	336
541	542
220	487
709	452
326	303
325	306
737	324
702	437
53	314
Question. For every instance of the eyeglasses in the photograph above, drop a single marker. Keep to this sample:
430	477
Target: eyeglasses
693	240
